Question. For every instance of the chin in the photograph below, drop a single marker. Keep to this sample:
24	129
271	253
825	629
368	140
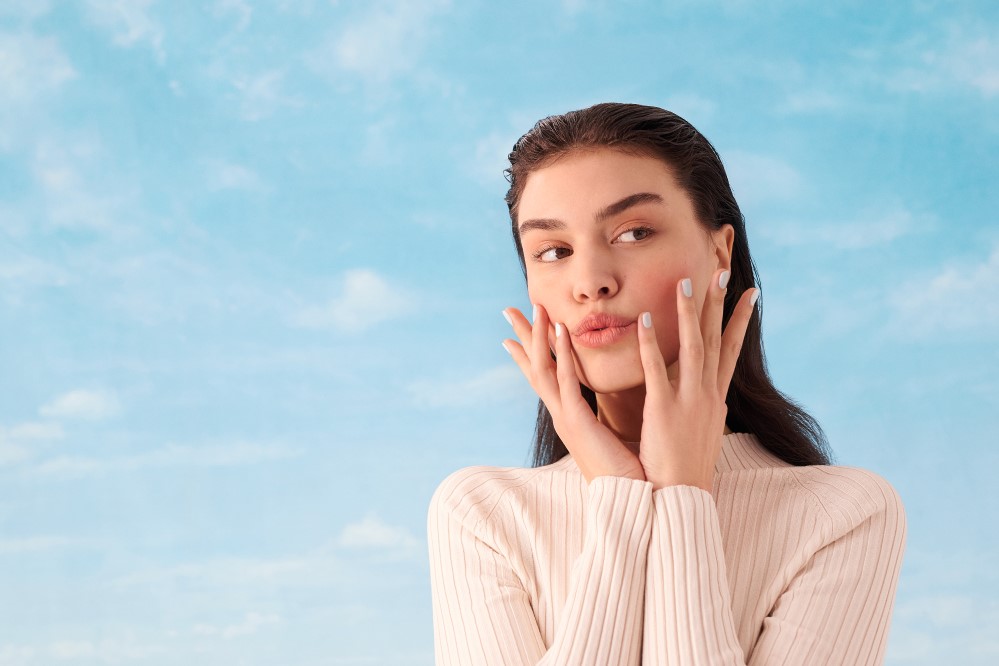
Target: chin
612	377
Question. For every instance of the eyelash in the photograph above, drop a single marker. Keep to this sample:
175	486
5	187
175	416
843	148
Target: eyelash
548	248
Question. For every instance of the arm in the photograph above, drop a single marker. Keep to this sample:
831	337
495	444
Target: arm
483	614
835	609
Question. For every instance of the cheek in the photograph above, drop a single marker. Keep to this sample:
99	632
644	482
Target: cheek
661	301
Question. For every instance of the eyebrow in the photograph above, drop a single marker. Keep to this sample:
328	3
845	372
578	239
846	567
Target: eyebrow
616	208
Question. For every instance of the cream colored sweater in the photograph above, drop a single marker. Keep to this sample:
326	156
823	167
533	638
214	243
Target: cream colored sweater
777	565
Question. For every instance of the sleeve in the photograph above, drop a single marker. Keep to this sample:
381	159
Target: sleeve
482	613
835	610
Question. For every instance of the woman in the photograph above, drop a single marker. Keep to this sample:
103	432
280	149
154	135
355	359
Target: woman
681	510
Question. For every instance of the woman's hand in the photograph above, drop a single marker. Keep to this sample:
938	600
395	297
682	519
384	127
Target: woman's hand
596	450
684	417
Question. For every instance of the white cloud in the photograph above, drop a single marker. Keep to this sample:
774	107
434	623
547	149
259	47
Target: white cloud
382	44
240	8
491	157
20	442
36	544
31	66
494	385
956	298
261	95
372	533
70	199
129	22
810	101
173	455
872	228
366	299
25	9
250	624
224	175
761	178
963	56
692	107
90	405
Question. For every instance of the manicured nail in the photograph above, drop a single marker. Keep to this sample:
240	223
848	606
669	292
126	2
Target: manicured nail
756	295
506	348
534	316
688	289
647	319
723	279
558	330
508	318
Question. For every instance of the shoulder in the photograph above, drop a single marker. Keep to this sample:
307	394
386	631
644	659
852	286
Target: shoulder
851	496
476	494
835	499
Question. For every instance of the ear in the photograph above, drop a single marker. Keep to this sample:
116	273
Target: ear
723	239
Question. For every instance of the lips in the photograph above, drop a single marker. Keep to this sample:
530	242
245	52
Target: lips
600	329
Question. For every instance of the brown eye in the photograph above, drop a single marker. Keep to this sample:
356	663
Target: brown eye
550	254
635	235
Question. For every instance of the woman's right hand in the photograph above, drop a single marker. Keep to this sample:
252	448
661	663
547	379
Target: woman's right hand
596	450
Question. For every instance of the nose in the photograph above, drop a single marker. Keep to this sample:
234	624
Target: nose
594	278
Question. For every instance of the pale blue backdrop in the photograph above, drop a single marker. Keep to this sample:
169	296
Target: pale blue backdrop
253	257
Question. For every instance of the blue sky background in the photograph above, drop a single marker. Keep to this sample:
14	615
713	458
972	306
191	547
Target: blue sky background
253	257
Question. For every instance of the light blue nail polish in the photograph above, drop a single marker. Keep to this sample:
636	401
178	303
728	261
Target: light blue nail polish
558	330
647	319
534	315
506	349
723	279
688	288
508	318
754	297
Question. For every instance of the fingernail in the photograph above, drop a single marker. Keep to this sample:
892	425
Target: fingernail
647	319
506	316
723	279
688	288
534	316
507	349
558	330
756	295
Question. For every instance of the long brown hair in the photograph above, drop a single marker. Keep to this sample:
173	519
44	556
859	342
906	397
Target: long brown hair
754	403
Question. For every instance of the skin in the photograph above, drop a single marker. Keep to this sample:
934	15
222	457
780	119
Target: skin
592	245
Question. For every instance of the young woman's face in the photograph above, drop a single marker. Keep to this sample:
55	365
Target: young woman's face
606	232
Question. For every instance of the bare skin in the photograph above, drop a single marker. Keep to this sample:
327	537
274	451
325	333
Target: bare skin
588	250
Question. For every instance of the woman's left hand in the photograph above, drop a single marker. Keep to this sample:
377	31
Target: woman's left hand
684	417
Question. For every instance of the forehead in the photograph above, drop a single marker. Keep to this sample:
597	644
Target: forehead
585	181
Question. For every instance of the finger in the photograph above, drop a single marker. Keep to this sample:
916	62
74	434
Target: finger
657	385
565	370
711	324
541	356
691	342
521	327
735	334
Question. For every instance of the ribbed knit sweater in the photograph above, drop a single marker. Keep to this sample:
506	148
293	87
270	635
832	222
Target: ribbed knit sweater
776	565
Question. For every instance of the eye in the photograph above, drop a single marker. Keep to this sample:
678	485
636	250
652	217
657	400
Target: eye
635	235
551	253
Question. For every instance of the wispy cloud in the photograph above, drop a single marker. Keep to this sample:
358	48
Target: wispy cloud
223	175
877	226
692	107
959	55
250	624
490	386
19	442
382	44
31	66
36	544
238	8
172	455
760	178
371	533
130	22
953	299
87	404
366	299
261	95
